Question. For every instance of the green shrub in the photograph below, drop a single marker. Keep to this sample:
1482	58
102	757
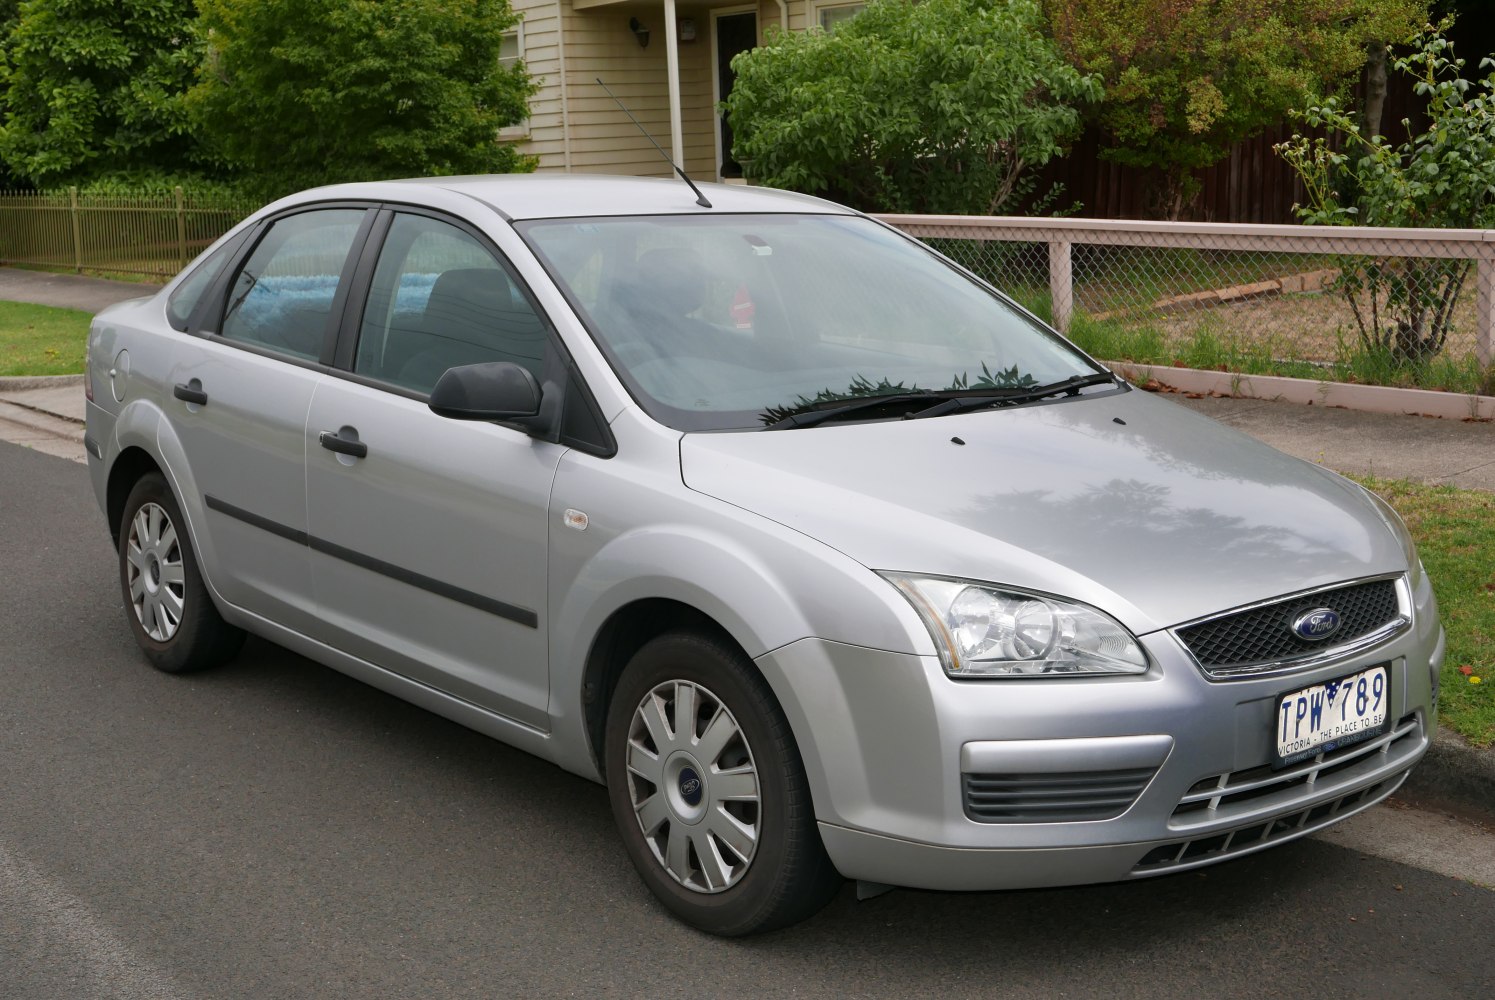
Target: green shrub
933	106
1442	177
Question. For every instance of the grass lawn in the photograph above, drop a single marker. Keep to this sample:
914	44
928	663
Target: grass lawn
1455	533
41	340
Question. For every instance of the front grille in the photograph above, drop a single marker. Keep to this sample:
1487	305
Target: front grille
1053	798
1261	807
1264	634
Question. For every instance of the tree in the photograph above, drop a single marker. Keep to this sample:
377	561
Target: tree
1443	177
94	86
1186	80
300	92
934	106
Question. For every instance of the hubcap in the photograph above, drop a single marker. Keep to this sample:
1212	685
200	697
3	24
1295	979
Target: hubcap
154	573
694	786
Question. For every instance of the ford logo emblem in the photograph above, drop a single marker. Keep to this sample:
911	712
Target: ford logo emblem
1320	623
690	787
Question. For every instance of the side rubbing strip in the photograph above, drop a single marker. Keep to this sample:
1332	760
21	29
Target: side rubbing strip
263	523
522	616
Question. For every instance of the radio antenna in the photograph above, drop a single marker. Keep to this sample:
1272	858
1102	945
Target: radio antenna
700	198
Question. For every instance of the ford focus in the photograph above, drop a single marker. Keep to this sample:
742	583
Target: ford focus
825	557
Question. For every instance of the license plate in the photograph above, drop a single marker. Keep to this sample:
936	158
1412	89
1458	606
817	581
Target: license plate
1330	715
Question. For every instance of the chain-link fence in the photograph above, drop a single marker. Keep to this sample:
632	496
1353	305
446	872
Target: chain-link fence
128	234
1347	304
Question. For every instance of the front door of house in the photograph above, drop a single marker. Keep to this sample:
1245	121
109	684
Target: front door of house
735	32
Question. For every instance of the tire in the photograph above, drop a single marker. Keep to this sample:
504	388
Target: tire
168	607
717	818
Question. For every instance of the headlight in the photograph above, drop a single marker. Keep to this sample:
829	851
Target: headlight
984	631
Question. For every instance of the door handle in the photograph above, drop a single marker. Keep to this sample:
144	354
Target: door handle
190	393
344	442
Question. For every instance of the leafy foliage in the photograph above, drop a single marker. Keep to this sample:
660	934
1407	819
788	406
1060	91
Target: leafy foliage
1187	79
313	91
91	82
934	106
1441	178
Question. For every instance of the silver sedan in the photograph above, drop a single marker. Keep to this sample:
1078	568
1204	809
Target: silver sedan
827	558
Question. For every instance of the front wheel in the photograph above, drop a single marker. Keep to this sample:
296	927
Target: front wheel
169	608
709	792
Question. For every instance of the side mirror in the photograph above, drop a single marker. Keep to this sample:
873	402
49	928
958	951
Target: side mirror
494	390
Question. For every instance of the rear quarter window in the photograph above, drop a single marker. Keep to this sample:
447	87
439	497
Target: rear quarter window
188	293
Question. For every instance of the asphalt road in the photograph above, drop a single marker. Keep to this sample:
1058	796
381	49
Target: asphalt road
274	829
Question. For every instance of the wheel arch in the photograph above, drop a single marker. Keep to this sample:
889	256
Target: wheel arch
132	464
148	443
760	586
623	634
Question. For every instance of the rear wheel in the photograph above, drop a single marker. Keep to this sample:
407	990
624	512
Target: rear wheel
709	792
169	608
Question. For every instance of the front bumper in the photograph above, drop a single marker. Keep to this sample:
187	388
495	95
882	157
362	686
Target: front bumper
887	739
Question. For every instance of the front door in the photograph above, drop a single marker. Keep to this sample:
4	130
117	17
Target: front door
428	534
735	33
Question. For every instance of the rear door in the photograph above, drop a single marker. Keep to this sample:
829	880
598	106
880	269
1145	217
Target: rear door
429	535
237	396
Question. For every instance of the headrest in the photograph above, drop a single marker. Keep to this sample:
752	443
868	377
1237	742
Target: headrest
468	293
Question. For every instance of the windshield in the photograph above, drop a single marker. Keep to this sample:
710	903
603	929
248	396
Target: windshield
719	322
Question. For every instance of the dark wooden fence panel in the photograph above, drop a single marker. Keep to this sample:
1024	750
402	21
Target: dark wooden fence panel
1252	184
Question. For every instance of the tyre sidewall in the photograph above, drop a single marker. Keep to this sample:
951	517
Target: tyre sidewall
736	683
184	650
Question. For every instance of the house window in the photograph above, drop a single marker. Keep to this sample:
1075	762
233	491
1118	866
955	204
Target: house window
511	48
832	15
510	52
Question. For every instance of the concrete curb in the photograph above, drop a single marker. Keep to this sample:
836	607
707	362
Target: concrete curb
40	423
16	383
1367	398
1455	777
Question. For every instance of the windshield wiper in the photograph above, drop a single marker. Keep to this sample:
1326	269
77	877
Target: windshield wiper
809	418
932	403
1069	386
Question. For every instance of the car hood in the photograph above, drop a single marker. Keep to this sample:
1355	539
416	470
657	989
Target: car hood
1130	503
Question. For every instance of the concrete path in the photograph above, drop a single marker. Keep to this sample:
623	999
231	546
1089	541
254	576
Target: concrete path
1453	452
68	291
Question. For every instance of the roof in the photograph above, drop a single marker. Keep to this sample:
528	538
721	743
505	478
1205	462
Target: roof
555	195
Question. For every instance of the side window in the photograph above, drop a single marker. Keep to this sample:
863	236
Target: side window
282	298
185	296
439	300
